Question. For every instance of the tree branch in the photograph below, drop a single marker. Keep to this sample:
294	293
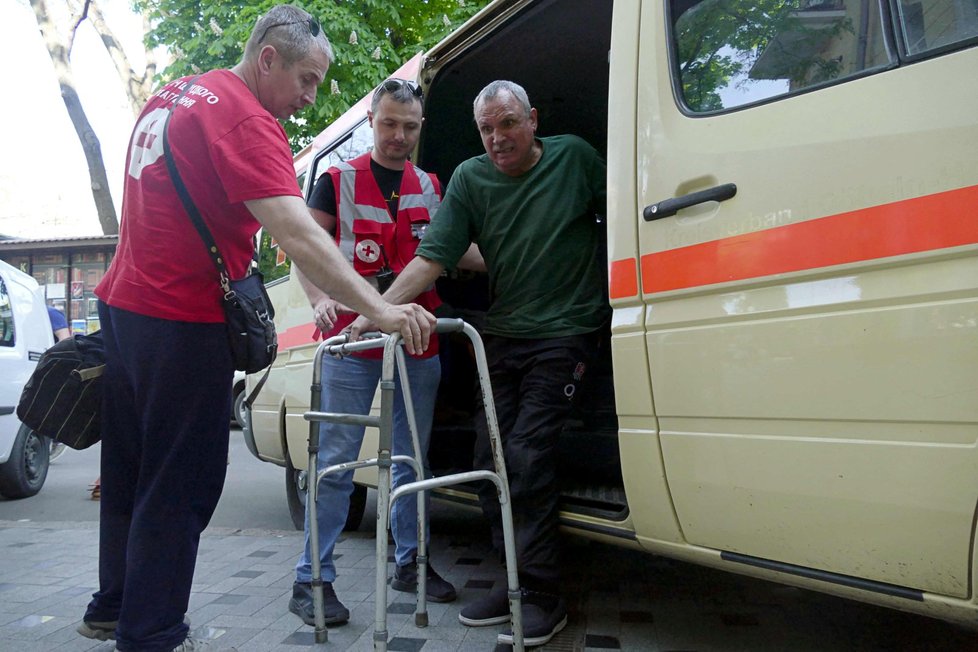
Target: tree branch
86	135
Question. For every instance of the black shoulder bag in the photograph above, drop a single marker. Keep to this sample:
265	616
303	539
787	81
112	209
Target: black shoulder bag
247	309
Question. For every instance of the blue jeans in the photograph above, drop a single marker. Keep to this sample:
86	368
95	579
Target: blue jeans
349	385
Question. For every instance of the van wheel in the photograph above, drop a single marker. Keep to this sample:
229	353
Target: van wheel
24	472
295	492
238	415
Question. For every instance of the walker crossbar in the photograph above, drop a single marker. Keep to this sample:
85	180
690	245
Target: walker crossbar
394	353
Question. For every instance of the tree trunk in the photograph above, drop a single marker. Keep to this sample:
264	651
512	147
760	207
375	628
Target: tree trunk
86	135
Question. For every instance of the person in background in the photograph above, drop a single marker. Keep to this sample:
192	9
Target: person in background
59	324
530	205
167	383
383	189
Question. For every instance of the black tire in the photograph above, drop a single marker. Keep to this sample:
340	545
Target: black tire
24	472
295	493
238	417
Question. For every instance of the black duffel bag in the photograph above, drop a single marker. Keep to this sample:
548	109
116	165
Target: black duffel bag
62	399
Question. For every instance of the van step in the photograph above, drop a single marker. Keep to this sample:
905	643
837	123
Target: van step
593	500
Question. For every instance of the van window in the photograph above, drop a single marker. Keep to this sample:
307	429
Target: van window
357	142
928	25
6	317
729	53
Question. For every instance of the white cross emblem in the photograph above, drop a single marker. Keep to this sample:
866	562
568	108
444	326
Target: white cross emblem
368	251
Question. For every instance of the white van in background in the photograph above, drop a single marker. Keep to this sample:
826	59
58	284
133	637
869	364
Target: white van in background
25	332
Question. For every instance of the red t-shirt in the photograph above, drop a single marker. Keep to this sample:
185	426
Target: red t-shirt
228	149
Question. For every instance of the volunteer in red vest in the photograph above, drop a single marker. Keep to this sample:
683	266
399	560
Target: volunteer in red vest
378	207
167	384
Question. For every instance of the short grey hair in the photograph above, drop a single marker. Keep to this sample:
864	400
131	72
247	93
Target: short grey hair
491	91
403	93
287	29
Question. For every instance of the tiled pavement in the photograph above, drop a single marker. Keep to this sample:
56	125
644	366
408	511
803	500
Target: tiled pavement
623	600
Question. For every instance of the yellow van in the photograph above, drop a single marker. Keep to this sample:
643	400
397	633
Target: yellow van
790	389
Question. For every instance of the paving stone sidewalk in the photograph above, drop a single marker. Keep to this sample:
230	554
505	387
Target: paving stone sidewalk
619	599
241	592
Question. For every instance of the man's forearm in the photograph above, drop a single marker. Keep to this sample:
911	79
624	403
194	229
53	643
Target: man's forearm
419	274
315	252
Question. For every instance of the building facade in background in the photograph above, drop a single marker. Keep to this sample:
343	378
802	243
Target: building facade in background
68	270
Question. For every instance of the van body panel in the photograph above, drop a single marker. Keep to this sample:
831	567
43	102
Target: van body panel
811	341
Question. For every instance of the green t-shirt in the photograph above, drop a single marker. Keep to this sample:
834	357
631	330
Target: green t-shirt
538	235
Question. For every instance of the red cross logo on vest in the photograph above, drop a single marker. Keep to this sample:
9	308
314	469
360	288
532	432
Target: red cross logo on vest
368	251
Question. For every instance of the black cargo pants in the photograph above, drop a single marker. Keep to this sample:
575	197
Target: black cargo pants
534	382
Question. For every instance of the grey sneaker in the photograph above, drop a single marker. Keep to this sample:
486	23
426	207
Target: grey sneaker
301	604
104	631
100	631
192	644
543	616
437	588
492	609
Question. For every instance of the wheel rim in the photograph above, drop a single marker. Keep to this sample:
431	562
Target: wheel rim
242	415
33	457
300	486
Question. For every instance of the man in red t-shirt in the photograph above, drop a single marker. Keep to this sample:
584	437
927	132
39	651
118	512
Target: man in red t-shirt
167	384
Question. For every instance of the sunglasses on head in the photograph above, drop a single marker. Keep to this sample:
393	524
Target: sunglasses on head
394	84
313	24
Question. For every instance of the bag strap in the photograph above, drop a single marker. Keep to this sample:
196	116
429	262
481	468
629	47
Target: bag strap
198	222
187	200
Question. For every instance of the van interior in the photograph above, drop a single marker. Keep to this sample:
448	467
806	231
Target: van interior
558	51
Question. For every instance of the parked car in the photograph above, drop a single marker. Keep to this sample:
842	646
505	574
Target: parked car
25	332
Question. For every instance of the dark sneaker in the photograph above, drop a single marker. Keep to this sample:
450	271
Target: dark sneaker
436	588
543	616
492	609
301	604
100	631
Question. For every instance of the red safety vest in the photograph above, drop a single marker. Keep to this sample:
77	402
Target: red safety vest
367	235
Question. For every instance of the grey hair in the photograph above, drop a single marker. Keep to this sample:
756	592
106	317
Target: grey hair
403	94
286	28
491	91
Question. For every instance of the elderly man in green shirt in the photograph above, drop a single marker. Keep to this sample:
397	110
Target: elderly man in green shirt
530	205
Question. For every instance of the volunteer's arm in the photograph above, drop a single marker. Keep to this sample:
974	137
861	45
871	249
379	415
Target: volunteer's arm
287	218
324	307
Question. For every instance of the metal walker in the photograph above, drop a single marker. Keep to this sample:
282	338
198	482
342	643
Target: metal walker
393	349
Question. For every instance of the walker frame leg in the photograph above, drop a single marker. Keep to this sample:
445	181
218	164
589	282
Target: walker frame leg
386	495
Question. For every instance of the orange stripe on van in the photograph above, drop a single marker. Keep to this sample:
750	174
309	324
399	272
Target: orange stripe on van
938	221
623	279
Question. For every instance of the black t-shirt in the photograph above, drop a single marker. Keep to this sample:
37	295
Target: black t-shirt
324	195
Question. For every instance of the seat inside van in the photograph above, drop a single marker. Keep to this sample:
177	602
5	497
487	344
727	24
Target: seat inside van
558	51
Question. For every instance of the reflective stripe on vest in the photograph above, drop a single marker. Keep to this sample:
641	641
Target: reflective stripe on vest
349	209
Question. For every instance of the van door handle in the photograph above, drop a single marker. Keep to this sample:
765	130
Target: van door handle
669	207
